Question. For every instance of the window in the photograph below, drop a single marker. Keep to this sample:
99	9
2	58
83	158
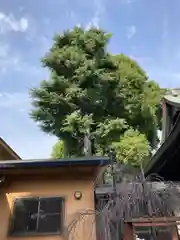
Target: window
37	216
161	233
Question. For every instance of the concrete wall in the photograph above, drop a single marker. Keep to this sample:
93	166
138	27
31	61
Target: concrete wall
42	186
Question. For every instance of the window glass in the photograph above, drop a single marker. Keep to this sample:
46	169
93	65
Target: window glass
37	215
50	205
25	215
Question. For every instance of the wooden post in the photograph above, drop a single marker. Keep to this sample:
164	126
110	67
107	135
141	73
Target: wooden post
172	222
128	232
175	235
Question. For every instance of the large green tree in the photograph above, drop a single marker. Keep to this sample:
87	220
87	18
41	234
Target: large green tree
89	91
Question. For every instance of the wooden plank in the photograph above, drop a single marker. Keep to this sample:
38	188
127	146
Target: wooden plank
175	235
128	232
154	219
155	224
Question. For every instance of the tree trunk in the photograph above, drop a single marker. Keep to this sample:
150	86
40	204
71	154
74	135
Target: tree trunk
66	152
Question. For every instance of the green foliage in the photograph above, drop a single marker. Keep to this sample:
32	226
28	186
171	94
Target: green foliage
141	98
77	124
89	90
58	150
132	148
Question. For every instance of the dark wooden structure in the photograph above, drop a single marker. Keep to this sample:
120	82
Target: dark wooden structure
166	161
166	228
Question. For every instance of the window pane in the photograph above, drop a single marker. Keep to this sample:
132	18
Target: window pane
49	223
50	205
25	215
162	233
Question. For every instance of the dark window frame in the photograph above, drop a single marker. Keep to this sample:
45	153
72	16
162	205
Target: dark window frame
11	231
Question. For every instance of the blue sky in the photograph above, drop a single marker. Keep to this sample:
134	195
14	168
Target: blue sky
146	30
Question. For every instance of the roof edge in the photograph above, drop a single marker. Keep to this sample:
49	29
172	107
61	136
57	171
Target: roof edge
93	161
172	100
163	148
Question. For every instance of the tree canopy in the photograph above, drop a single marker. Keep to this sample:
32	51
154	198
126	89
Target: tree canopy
58	150
92	91
132	147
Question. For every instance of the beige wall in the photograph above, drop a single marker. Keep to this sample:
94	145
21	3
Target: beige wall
44	187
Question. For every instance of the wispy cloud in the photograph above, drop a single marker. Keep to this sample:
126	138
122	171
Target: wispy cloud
10	60
94	22
10	23
7	59
99	10
131	31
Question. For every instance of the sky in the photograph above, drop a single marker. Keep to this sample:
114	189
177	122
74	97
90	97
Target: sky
146	30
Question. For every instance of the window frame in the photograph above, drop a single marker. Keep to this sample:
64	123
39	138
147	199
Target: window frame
11	233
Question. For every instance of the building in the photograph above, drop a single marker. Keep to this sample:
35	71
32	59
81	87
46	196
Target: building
6	152
39	197
166	162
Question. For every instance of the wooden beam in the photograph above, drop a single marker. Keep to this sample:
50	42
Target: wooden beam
153	220
128	232
155	224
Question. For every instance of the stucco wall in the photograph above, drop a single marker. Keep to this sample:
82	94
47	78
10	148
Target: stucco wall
43	187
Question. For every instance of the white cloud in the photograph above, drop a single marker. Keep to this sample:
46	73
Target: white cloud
99	10
94	22
72	16
10	60
7	59
9	23
131	31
